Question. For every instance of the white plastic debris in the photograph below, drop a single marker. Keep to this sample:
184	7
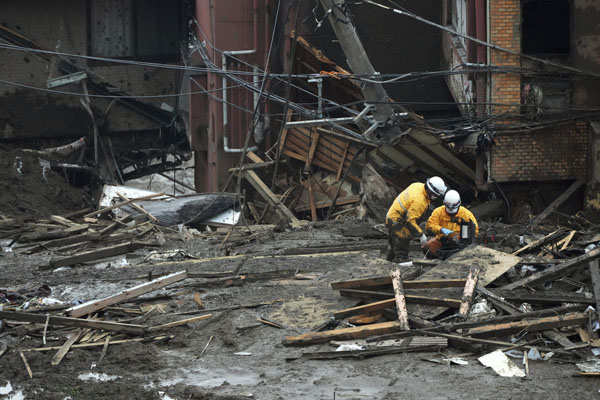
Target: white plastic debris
6	389
50	301
590	247
61	269
99	377
481	307
525	307
592	365
456	360
243	353
6	246
527	268
350	347
596	351
405	264
501	364
535	355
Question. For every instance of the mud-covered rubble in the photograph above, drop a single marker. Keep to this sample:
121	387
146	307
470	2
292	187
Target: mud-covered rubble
276	284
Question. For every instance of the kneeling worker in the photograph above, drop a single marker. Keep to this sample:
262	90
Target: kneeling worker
407	208
454	227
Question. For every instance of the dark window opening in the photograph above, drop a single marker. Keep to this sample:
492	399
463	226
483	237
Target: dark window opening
546	27
148	29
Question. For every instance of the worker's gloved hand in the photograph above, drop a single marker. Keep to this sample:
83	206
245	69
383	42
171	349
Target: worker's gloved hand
447	231
423	240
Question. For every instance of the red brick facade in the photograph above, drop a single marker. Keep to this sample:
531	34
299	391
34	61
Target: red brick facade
555	153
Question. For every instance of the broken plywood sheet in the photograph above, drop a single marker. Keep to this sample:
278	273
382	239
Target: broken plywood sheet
492	264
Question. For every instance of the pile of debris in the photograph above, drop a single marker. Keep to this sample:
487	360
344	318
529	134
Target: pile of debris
473	301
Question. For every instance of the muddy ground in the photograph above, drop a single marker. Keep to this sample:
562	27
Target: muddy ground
178	369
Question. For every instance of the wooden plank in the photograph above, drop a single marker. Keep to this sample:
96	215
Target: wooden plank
595	273
93	255
492	264
386	280
314	141
270	197
64	349
252	156
178	323
78	322
338	175
548	238
566	241
400	299
311	199
124	203
284	131
467	296
532	325
358	332
127	294
51	235
498	301
27	367
387	303
361	354
138	208
327	203
557	202
555	271
546	298
101	344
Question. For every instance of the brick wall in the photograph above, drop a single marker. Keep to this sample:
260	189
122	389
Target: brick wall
505	31
555	153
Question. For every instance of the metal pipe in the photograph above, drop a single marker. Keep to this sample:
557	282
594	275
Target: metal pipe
228	149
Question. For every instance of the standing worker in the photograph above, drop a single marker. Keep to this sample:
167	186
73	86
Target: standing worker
454	227
407	208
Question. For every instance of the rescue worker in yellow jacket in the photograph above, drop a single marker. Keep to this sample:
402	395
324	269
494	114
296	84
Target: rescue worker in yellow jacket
454	227
407	208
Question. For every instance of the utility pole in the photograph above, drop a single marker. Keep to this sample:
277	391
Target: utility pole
360	64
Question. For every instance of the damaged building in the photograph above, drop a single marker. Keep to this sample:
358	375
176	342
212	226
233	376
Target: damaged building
286	199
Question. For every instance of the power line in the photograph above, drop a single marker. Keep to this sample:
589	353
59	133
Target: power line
478	41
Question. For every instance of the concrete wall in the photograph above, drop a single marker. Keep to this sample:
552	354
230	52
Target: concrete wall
63	25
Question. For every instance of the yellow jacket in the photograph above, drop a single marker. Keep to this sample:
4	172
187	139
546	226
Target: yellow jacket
408	207
441	219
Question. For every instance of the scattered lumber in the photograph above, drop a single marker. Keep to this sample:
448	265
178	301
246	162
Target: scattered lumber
555	271
362	354
358	332
540	242
386	280
76	322
96	305
93	255
178	323
467	297
531	325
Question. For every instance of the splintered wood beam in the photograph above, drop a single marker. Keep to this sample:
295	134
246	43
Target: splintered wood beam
548	238
386	280
467	296
555	271
358	332
252	156
78	322
96	254
266	193
400	300
314	141
119	205
531	325
558	201
311	199
284	131
52	235
388	303
341	165
127	294
64	349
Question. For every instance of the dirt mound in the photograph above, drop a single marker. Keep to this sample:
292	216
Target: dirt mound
28	188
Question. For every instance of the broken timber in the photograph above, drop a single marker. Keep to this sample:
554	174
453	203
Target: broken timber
270	197
557	202
555	271
383	304
540	324
96	254
548	238
95	305
386	280
400	299
358	332
79	322
467	297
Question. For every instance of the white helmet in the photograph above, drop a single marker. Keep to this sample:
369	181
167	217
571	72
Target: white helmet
452	202
436	186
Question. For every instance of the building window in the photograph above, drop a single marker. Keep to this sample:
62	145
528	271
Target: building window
546	27
135	28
